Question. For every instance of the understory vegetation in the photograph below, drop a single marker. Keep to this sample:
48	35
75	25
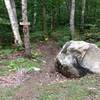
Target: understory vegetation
49	24
13	60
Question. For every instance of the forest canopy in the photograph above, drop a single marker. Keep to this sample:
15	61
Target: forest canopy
52	18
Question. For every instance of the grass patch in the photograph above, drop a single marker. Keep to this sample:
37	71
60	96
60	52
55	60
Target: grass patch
10	65
64	91
20	63
5	52
82	89
7	93
86	88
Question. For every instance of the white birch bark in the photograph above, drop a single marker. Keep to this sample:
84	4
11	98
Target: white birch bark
10	5
72	18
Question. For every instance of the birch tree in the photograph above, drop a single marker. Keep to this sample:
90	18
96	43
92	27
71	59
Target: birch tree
72	18
10	5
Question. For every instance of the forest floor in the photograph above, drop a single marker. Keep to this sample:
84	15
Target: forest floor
47	84
47	75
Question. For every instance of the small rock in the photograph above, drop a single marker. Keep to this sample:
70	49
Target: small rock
36	69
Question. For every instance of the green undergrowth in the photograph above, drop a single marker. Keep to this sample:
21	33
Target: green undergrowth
61	35
98	43
5	51
20	63
79	89
8	65
7	93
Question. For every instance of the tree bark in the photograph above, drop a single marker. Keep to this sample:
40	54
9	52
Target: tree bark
33	15
53	22
26	29
44	24
53	18
72	18
10	5
68	7
83	15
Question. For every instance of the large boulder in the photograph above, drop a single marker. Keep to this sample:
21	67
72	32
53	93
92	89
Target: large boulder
77	58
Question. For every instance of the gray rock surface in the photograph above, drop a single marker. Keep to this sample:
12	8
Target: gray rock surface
77	58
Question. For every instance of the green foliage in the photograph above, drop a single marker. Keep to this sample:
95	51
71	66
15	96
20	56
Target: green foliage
5	52
91	37
19	48
98	43
36	54
20	63
4	71
8	65
61	35
61	7
36	36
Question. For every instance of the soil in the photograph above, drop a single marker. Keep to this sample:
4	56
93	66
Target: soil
47	75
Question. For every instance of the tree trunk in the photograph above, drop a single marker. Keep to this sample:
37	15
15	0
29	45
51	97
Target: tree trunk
72	18
68	7
44	24
53	18
10	5
83	15
26	29
33	15
95	11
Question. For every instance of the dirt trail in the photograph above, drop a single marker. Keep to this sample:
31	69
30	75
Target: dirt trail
30	89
